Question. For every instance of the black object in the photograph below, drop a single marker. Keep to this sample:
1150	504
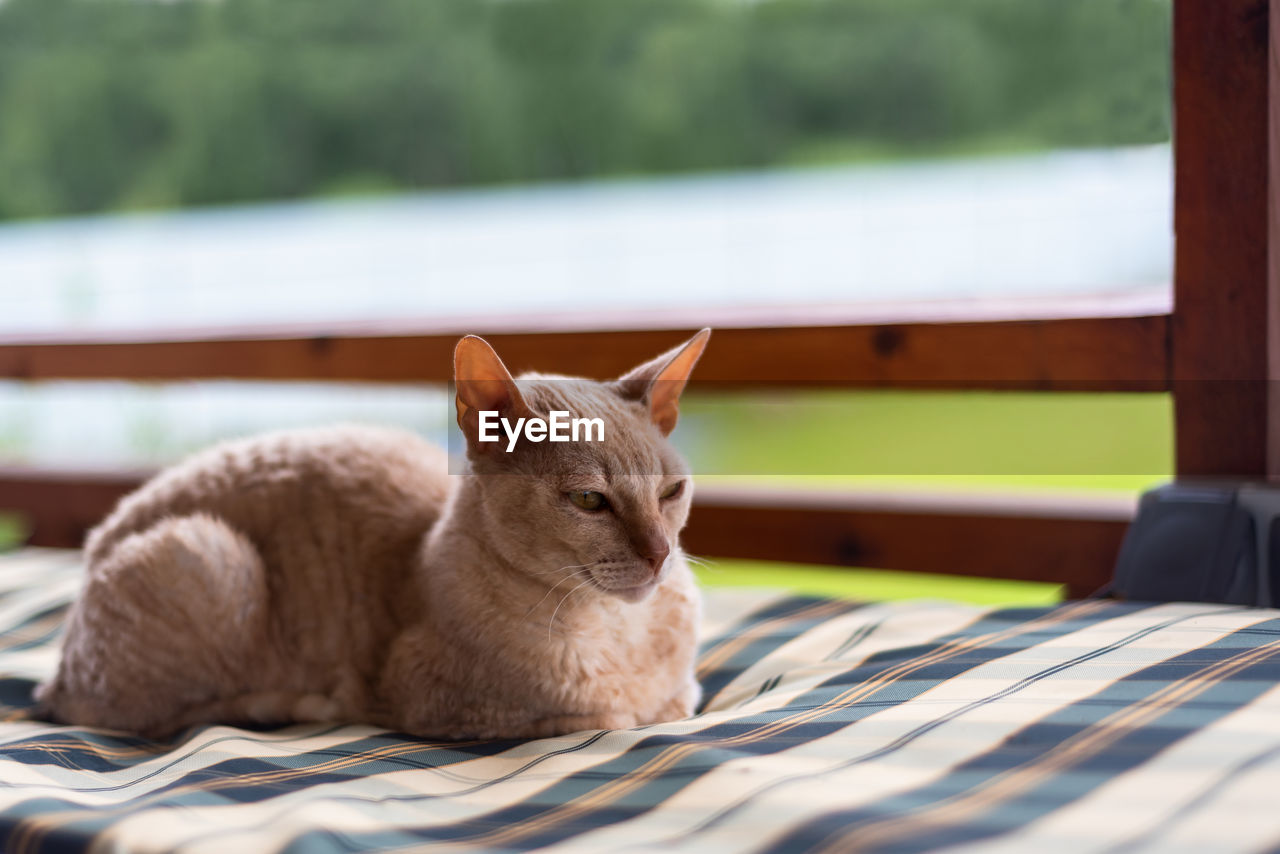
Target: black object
1203	543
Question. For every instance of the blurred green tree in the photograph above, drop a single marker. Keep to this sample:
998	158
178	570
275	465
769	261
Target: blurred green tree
108	104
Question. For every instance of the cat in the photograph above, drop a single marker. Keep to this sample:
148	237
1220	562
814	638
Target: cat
342	574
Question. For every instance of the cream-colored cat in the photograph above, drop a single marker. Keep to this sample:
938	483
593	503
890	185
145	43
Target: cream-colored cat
342	574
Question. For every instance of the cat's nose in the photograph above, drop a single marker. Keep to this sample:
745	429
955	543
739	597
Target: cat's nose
655	557
650	544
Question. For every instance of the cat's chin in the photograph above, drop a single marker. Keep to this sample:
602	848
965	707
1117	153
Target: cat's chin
638	593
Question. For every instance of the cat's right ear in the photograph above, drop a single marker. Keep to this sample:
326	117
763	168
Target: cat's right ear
483	385
659	382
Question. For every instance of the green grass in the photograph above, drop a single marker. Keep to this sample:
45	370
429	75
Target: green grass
949	439
11	532
874	584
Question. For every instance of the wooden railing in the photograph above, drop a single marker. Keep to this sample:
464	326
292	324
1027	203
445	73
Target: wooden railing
1217	349
953	346
1112	343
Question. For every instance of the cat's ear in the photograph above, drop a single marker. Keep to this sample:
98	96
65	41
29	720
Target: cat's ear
660	381
483	385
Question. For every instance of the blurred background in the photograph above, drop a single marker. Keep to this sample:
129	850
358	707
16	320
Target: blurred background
230	163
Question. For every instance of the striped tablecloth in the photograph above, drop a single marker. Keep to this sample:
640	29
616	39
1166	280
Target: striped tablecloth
828	726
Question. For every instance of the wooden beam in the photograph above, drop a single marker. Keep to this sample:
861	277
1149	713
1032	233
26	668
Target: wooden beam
1225	322
59	507
1099	352
1071	541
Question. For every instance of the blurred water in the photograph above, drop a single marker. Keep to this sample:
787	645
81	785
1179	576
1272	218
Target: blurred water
1054	223
135	425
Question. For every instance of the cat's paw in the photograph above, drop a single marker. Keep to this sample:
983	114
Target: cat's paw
682	705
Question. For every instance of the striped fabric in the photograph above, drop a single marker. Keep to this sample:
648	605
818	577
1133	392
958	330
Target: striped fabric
828	726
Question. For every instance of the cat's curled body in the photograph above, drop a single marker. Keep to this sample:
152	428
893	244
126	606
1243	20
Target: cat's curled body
343	574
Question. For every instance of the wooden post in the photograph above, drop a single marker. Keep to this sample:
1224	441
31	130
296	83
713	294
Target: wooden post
1225	351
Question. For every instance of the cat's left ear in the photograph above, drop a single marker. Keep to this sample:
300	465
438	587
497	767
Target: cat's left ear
660	381
483	384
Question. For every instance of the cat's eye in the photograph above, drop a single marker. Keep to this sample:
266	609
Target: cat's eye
588	500
673	490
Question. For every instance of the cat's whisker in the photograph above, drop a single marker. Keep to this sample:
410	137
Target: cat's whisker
571	566
552	621
705	563
554	586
